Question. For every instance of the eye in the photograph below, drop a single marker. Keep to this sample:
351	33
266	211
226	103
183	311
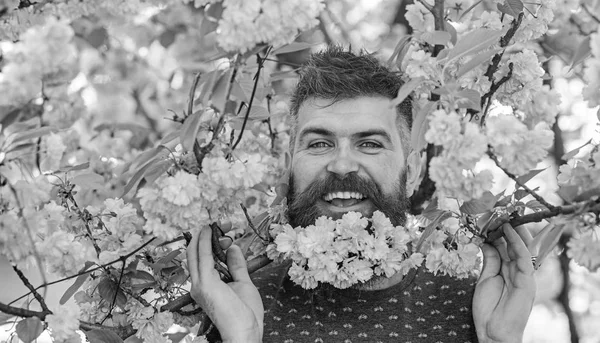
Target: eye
319	145
370	145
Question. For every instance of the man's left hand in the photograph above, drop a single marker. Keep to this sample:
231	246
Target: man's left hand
506	288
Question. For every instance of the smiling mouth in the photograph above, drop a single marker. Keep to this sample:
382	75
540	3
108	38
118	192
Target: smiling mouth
343	199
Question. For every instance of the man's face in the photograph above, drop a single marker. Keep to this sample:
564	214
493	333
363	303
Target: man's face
347	156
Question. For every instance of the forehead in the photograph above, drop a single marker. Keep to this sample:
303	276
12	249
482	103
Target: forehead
348	116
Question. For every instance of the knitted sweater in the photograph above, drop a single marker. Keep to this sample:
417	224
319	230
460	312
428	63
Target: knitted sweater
421	308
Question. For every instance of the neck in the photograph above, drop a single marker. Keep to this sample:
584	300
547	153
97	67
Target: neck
379	283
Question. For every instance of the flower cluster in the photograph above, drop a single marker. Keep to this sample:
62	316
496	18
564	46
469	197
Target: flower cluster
44	54
519	148
63	322
183	201
245	24
464	145
591	72
346	251
355	249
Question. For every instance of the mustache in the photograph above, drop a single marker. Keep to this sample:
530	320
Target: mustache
303	211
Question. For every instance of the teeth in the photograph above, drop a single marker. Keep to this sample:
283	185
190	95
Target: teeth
343	195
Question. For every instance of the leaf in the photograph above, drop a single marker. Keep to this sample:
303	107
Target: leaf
511	7
399	47
523	179
10	118
469	98
31	134
142	275
89	181
484	203
469	10
547	240
535	205
76	167
73	288
218	97
158	169
575	151
588	195
452	31
568	193
292	47
107	289
504	201
584	50
520	194
282	75
135	128
474	42
29	329
431	227
475	61
103	336
189	130
406	89
436	37
137	177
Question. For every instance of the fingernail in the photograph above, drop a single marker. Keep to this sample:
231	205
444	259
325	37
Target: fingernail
225	242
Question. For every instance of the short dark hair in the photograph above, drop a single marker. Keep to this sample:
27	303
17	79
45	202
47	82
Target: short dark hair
337	74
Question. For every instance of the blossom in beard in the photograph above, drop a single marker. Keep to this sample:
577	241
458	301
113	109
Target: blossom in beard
302	277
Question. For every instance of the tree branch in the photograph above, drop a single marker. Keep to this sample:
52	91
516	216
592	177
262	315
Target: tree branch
46	284
503	44
537	197
29	286
261	63
582	207
122	331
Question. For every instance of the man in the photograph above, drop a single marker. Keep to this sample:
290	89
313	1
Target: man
350	152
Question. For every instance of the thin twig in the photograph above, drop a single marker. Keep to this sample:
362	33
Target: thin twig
46	284
537	197
221	122
114	299
427	6
590	13
260	62
493	67
31	288
251	224
192	93
493	89
37	257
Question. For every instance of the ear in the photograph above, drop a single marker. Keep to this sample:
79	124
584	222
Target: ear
413	172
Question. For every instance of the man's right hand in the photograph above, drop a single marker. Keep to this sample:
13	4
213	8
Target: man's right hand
235	308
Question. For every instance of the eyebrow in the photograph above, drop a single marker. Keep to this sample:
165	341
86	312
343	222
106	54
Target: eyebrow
325	132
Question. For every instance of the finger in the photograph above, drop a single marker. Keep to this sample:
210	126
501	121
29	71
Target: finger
192	258
500	245
525	235
206	261
517	249
236	263
491	262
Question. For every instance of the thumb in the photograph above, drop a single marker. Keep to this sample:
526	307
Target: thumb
491	262
236	263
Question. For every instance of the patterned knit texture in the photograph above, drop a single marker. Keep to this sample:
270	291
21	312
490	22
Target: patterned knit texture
425	308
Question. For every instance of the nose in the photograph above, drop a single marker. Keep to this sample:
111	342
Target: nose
343	162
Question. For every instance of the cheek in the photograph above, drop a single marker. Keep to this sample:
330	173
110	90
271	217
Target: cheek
303	172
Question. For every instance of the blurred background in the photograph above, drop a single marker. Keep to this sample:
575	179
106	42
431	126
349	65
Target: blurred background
136	62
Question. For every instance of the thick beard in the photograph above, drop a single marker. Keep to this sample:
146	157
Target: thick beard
303	210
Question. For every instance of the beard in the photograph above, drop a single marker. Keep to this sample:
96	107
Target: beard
304	211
